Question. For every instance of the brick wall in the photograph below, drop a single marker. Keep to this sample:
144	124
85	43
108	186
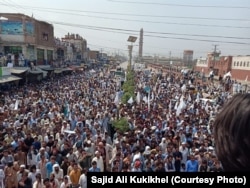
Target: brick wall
205	69
240	74
221	66
44	34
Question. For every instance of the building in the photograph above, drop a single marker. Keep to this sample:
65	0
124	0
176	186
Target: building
26	38
241	67
61	50
220	65
202	65
79	45
188	58
93	55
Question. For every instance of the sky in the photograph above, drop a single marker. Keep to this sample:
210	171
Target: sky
169	26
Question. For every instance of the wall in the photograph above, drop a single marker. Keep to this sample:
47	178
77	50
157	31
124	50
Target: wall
221	65
44	34
93	54
240	67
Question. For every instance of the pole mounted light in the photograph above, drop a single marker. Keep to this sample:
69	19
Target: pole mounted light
131	39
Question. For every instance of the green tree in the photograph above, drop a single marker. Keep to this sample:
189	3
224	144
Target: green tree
121	124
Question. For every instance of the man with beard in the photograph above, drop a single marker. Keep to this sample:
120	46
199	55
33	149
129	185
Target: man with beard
58	172
21	171
54	182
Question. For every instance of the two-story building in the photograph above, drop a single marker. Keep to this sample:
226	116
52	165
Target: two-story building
241	67
79	45
26	39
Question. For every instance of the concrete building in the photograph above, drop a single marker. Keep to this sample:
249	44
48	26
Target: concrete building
27	38
188	58
202	65
241	68
79	45
219	64
93	55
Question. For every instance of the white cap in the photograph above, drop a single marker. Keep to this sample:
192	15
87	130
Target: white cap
22	166
88	142
153	127
210	148
116	142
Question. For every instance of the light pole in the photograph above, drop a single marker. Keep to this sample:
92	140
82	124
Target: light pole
131	39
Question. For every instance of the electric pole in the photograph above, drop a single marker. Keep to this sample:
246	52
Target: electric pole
214	54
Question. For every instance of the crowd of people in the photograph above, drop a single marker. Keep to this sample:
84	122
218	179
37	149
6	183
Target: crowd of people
55	132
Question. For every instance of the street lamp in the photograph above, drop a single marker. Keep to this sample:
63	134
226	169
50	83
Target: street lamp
131	39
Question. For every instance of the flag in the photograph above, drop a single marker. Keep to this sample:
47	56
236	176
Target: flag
189	98
183	88
130	101
116	101
198	97
152	96
181	106
16	105
246	78
145	99
138	97
170	105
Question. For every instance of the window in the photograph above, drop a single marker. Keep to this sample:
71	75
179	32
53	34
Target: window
237	63
241	63
49	55
248	63
45	36
244	64
234	63
40	55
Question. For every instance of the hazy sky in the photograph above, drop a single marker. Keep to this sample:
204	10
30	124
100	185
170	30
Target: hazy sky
169	25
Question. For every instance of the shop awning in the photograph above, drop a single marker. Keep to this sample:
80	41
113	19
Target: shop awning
57	71
36	72
67	69
8	78
46	67
18	71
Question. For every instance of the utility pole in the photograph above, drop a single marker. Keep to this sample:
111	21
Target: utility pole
170	63
214	54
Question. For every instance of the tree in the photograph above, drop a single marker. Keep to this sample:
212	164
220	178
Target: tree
121	124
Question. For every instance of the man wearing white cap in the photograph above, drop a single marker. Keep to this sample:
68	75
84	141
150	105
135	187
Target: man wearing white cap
99	160
58	172
185	153
21	171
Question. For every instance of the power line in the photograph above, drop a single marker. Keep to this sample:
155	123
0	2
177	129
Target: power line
164	33
19	7
147	21
114	30
135	15
157	22
180	5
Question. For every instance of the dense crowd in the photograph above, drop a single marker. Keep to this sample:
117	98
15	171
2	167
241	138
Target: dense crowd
54	132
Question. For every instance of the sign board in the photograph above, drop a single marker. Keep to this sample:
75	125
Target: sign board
5	71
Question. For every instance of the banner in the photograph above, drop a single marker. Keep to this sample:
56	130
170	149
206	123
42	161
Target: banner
167	179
